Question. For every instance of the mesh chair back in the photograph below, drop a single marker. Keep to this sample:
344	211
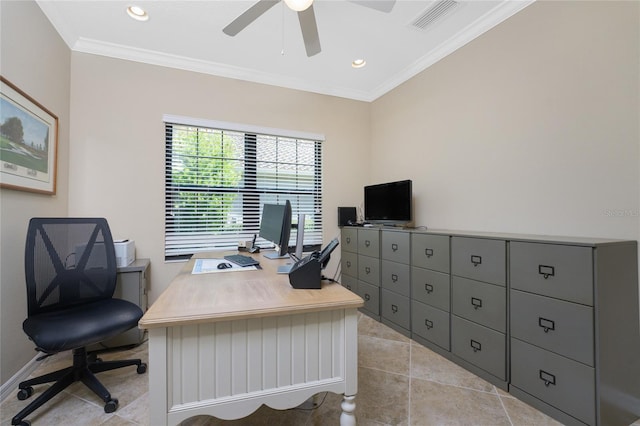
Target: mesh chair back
68	261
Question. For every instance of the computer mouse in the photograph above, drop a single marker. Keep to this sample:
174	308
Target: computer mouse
224	265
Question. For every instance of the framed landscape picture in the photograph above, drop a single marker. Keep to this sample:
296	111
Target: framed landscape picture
28	142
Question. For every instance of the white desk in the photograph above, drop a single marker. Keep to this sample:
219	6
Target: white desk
222	344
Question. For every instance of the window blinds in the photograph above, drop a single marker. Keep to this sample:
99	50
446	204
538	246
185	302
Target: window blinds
217	179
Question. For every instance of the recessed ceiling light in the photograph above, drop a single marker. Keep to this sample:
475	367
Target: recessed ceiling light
137	13
358	63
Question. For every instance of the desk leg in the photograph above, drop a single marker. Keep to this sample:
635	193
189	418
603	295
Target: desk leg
348	416
158	384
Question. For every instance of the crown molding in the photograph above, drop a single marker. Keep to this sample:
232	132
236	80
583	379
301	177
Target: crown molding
495	16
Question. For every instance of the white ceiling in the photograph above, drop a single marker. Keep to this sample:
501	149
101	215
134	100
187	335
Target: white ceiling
188	35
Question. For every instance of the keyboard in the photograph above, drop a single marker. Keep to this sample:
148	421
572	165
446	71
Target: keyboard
241	260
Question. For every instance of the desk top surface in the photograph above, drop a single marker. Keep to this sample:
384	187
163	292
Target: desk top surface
199	298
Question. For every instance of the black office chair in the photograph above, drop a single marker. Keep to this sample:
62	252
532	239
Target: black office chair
70	267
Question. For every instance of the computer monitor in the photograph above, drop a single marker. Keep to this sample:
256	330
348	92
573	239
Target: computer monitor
275	226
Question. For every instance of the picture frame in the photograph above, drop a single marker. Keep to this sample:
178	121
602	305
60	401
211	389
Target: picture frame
28	142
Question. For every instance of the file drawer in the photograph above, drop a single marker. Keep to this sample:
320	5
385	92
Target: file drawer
396	246
349	239
369	270
349	264
554	379
371	296
430	287
369	242
562	327
479	259
350	283
479	345
396	277
430	251
480	302
430	323
560	271
396	308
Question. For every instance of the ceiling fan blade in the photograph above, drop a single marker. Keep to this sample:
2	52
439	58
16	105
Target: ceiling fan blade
381	5
309	29
250	15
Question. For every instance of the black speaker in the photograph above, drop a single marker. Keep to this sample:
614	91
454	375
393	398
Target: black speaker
346	215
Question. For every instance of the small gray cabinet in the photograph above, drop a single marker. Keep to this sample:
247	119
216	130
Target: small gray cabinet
131	285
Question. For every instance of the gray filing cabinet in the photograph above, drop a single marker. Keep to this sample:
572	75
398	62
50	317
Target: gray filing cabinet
131	285
553	320
573	315
479	305
360	265
430	290
395	280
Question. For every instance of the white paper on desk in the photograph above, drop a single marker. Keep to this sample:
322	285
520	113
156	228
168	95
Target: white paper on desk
208	266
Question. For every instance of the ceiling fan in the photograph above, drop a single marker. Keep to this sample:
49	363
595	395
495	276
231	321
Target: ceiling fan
306	16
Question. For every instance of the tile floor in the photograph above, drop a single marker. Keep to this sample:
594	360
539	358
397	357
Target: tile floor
400	383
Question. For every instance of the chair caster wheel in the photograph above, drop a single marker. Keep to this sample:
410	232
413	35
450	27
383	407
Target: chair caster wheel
142	368
111	406
25	393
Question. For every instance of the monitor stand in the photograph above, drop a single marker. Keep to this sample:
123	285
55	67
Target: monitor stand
275	256
285	269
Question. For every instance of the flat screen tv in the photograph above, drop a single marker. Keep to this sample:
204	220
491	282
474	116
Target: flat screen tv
388	203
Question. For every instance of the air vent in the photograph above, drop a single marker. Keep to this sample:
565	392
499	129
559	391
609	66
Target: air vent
435	12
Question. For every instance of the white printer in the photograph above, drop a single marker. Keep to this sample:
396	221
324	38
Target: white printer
125	252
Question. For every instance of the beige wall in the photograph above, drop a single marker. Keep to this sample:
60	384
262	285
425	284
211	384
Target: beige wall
117	142
40	66
533	127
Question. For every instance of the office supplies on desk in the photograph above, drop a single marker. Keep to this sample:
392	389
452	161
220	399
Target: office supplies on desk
208	266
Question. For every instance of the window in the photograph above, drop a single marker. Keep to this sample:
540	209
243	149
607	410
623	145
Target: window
218	176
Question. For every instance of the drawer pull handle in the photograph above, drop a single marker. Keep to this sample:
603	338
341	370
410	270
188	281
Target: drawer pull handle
547	378
348	240
348	264
546	324
394	308
367	270
477	346
394	278
476	260
477	303
394	247
367	243
428	324
367	297
428	288
546	271
428	252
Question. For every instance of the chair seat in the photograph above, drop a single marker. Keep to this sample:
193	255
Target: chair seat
83	325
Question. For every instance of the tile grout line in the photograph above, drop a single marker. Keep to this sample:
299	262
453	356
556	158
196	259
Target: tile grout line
503	407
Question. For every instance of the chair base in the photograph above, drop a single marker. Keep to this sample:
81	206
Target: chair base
82	370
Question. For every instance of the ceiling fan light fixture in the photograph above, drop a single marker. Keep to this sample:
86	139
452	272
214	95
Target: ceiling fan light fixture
137	13
298	5
358	63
